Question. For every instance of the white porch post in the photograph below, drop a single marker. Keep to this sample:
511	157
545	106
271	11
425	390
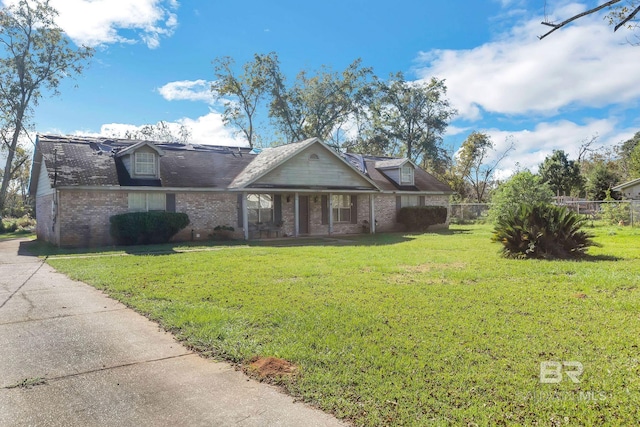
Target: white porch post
245	217
330	214
372	214
296	214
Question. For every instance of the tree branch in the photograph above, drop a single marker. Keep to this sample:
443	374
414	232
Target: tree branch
573	18
627	19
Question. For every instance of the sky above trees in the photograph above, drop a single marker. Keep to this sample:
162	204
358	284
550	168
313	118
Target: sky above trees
153	63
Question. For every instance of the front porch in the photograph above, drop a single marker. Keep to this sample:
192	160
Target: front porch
294	214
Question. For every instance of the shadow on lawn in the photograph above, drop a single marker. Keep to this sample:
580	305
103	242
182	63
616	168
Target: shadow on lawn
37	248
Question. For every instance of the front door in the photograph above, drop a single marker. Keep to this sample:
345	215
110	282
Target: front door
303	214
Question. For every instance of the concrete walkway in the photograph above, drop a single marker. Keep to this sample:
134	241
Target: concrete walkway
87	360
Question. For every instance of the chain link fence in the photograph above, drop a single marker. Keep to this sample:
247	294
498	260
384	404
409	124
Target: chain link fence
621	212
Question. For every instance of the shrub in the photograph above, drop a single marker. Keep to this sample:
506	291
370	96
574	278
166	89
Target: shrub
137	228
522	188
222	232
419	218
542	231
614	212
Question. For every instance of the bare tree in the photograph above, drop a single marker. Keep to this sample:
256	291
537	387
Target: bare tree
473	165
619	16
241	94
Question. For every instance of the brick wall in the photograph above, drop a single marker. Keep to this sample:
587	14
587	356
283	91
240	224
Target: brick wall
206	211
83	216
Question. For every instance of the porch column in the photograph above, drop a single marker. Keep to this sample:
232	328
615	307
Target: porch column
372	214
296	214
330	207
245	217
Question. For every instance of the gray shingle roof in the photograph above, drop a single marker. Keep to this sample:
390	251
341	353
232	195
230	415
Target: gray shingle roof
390	163
91	162
73	161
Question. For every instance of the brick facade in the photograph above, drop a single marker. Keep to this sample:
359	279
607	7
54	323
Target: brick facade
83	215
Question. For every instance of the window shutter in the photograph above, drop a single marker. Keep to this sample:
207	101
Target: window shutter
325	209
398	203
421	200
239	207
354	209
277	209
171	202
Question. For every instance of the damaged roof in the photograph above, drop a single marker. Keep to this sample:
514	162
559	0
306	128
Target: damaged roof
98	162
73	161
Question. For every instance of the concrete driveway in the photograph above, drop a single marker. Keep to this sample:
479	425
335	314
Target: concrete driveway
71	356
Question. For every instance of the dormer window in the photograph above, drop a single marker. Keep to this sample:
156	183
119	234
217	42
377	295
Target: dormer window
145	163
406	175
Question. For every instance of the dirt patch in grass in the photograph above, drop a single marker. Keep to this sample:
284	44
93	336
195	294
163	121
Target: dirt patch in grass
425	268
580	295
268	368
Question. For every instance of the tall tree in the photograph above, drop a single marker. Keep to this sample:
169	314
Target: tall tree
562	175
318	104
413	116
621	14
35	55
242	93
600	179
628	152
474	164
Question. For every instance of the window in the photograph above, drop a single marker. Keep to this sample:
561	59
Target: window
407	201
260	208
145	163
406	175
341	205
314	157
143	202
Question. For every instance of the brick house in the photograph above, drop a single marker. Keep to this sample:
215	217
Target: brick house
298	189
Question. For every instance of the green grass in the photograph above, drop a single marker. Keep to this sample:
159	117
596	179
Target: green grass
432	329
21	234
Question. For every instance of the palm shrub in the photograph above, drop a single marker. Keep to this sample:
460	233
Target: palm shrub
542	231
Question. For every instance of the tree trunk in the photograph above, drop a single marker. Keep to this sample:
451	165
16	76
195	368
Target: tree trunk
6	178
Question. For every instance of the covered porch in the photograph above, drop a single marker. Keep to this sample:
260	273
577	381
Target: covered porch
272	214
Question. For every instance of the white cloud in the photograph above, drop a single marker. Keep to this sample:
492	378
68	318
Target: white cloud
97	22
585	64
187	90
210	130
207	130
533	145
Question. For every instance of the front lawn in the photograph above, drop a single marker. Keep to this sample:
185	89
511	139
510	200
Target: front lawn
432	329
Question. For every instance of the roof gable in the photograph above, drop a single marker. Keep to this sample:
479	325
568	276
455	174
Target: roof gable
306	164
131	149
627	184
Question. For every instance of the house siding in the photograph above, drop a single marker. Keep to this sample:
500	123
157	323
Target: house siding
327	169
46	229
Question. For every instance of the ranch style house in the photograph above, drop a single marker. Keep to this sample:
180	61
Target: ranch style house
298	189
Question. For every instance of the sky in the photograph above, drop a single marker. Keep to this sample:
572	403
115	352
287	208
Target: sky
153	62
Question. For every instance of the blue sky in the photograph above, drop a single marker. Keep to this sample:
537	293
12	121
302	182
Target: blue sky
153	62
